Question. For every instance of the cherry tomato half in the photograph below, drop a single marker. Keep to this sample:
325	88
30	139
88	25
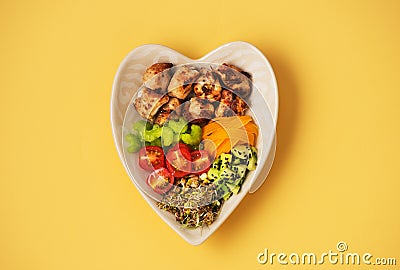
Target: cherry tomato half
179	161
160	180
182	146
200	161
151	158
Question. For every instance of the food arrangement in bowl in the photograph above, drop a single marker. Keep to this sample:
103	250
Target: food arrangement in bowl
191	136
262	103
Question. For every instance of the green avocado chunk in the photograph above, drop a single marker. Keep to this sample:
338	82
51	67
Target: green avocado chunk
213	174
240	170
217	163
225	161
241	151
253	159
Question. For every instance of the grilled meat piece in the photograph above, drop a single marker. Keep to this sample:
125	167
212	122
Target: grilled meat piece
208	86
230	105
149	102
238	70
224	107
165	111
239	106
198	109
156	77
235	79
181	82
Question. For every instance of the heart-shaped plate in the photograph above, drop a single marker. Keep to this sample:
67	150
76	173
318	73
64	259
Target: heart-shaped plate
241	54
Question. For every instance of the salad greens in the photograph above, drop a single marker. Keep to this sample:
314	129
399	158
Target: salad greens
134	143
145	133
179	126
194	137
167	136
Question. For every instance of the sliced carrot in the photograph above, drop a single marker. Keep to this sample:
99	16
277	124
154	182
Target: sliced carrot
224	147
251	128
225	132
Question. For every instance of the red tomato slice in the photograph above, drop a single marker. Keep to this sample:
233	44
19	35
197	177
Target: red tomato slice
179	161
160	180
151	158
200	161
182	146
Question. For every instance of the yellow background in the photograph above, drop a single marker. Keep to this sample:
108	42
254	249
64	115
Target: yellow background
65	199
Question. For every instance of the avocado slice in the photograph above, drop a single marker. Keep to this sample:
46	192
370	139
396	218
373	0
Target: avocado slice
213	174
241	151
234	188
223	190
217	163
240	170
228	175
227	196
251	166
225	161
237	161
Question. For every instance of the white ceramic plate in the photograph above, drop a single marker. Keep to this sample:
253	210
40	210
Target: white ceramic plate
264	104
